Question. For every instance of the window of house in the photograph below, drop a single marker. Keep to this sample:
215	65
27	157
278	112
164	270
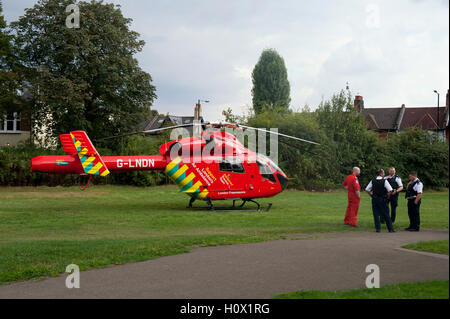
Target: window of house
232	165
11	123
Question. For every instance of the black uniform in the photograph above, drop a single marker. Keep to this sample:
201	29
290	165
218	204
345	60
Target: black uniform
393	199
413	209
380	208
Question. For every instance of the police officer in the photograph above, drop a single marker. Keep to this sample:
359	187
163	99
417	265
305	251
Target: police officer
379	189
397	186
414	191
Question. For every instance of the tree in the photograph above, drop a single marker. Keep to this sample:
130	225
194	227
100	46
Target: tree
9	79
350	142
271	87
419	150
83	78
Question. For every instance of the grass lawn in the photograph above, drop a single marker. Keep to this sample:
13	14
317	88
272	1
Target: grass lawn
42	230
432	246
418	290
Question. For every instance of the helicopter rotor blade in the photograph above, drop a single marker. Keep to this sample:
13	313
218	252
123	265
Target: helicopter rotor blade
151	131
280	134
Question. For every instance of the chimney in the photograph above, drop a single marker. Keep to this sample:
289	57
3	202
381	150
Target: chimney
359	103
197	112
398	121
447	99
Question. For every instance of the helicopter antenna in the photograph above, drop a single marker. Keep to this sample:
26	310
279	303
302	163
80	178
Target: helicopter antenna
280	134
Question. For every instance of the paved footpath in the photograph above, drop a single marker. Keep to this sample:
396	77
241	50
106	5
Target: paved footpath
259	270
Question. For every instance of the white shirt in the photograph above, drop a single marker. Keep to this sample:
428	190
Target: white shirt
418	187
397	179
386	185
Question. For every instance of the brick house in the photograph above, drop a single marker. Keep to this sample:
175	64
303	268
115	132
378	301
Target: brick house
15	126
393	119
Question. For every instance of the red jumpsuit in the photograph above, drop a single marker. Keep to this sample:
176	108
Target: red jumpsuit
352	184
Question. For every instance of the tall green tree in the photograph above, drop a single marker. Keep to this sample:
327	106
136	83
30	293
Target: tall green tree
9	79
83	78
271	87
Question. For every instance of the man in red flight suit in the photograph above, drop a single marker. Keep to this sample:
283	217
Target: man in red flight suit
351	184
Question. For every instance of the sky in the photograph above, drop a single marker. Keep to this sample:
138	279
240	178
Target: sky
390	52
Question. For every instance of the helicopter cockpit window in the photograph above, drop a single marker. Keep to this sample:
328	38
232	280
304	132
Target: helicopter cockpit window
266	172
232	165
274	166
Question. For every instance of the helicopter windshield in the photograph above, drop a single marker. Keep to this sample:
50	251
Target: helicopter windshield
264	167
265	171
271	163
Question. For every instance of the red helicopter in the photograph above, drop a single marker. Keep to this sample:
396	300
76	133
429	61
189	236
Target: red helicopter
214	165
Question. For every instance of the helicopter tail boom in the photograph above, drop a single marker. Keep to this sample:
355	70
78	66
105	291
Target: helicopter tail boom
82	158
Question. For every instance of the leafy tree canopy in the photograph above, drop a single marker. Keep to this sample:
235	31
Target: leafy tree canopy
83	78
9	79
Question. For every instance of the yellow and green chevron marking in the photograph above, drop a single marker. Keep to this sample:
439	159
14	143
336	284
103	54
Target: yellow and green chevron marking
91	164
184	179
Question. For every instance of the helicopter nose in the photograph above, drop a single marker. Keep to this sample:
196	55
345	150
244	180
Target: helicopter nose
283	180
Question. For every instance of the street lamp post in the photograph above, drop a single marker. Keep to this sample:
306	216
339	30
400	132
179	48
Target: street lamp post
437	127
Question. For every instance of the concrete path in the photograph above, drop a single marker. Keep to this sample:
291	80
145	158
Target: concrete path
259	270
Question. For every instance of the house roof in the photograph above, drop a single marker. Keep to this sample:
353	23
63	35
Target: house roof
159	121
389	118
424	117
381	118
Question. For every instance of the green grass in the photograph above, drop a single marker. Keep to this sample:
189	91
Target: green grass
418	290
42	230
432	246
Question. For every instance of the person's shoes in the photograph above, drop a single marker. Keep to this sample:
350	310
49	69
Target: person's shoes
356	226
392	231
415	229
408	229
378	230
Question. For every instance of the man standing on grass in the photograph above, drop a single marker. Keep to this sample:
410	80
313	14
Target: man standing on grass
396	183
380	189
351	184
414	191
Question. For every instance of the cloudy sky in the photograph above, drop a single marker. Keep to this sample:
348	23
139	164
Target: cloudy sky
391	52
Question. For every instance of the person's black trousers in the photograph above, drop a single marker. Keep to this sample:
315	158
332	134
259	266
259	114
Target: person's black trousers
380	210
414	214
393	201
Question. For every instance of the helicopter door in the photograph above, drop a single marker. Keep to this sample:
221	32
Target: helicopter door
231	175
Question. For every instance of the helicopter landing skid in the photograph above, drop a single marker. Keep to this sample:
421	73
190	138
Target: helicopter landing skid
234	208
